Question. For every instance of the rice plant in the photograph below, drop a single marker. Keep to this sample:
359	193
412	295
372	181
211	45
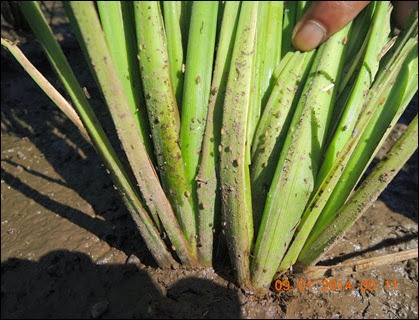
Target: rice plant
231	135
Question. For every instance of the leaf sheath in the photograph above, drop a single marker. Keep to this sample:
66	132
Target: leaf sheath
237	220
163	113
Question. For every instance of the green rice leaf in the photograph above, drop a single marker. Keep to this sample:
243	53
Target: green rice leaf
163	113
173	12
208	186
197	85
295	174
364	197
234	171
98	137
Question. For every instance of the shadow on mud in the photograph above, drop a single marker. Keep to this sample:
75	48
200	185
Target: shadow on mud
69	285
27	113
401	194
382	244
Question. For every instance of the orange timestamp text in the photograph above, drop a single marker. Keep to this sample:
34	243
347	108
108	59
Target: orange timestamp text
335	285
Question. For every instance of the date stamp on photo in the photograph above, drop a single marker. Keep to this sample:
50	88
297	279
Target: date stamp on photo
335	285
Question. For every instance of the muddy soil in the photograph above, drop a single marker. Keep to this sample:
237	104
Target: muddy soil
70	250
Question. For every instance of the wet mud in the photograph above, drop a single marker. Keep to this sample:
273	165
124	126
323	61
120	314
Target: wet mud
70	250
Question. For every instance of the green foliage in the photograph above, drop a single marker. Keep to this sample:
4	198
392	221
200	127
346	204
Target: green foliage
229	132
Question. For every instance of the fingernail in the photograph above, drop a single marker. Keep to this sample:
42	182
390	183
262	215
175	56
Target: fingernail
308	36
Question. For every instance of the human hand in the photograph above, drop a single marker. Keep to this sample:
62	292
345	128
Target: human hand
324	18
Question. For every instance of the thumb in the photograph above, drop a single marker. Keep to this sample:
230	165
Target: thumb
323	19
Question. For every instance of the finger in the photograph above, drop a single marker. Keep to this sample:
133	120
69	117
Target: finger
323	19
402	11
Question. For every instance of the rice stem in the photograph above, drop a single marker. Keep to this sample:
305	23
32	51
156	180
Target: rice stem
98	137
366	194
197	85
294	176
235	188
172	11
163	113
208	186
